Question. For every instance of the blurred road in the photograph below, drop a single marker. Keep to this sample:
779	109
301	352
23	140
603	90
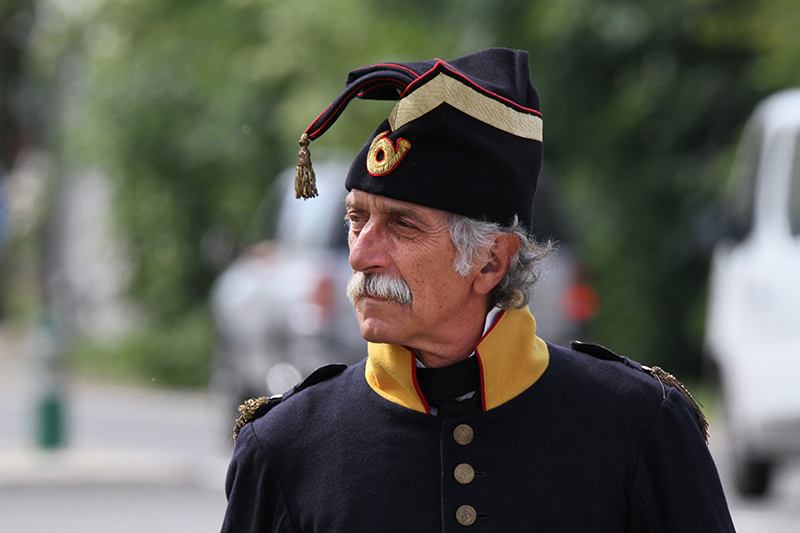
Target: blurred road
137	460
777	513
147	460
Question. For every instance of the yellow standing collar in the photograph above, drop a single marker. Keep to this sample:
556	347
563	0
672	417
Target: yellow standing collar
510	354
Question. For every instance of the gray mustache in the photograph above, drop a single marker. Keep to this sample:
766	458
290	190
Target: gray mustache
379	286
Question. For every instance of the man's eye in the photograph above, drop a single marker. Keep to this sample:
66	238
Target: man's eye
405	224
353	220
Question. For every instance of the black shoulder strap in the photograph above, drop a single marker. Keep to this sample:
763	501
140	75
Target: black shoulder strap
255	408
665	378
601	352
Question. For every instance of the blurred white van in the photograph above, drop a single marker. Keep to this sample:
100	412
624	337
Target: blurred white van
753	322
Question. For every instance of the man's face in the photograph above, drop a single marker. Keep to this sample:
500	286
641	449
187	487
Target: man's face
411	243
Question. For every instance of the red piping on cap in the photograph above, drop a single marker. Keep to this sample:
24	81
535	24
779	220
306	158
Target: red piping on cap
335	113
441	64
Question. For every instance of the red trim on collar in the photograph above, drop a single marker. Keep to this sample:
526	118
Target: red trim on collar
496	321
416	383
483	386
480	359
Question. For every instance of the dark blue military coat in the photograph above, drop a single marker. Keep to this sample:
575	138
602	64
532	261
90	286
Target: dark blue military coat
590	445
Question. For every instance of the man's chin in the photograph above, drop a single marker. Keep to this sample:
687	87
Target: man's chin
374	336
377	329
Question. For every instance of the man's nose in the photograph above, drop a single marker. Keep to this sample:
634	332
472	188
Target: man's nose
368	250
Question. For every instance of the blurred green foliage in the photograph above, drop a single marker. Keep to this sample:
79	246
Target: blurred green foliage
10	67
194	106
642	100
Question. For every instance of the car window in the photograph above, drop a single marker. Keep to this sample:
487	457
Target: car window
794	190
547	220
317	222
740	200
309	223
263	225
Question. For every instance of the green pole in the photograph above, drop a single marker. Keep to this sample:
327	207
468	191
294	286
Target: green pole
50	433
50	430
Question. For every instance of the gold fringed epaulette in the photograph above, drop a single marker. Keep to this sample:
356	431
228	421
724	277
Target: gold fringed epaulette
305	182
665	378
257	407
252	409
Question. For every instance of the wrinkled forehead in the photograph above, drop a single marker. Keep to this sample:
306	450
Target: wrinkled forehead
374	203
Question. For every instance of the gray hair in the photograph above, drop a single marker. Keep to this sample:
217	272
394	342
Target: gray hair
473	239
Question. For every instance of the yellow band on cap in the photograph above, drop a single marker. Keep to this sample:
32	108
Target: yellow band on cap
445	89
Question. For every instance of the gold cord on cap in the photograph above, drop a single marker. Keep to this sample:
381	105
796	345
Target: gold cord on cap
305	182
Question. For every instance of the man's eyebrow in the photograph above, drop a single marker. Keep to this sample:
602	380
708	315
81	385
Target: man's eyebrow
395	210
406	212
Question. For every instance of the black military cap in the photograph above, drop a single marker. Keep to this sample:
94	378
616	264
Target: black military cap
465	135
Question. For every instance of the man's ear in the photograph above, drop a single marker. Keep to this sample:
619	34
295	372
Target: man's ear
503	250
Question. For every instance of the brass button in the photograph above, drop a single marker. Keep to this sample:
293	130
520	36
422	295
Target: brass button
463	434
464	473
466	515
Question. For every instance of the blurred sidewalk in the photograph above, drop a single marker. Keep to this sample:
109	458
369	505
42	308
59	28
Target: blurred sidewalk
114	435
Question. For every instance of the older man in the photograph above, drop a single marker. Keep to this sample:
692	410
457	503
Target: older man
461	417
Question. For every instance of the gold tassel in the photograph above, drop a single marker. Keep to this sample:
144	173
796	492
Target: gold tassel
665	378
305	182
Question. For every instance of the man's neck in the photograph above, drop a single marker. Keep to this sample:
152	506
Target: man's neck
432	360
450	354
